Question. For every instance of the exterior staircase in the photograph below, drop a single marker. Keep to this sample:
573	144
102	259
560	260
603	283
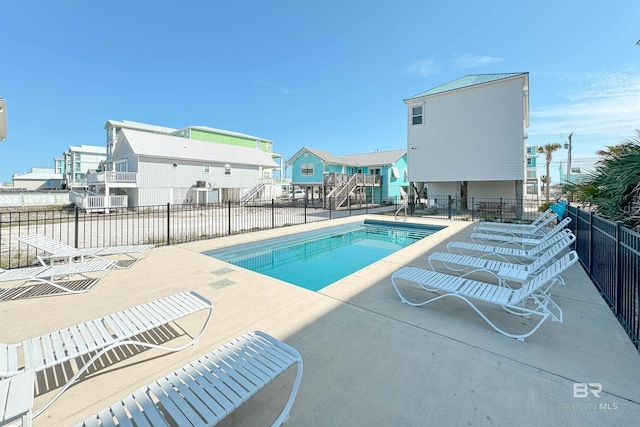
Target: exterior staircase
339	194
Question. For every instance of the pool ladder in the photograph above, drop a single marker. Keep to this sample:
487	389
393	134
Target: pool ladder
404	205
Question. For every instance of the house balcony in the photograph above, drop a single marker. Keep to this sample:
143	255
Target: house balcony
333	179
91	202
76	183
113	179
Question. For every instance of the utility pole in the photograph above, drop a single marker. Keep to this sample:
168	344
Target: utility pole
569	158
3	119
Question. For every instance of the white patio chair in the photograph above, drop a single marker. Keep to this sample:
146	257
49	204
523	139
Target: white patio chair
506	272
534	223
511	254
530	299
98	336
523	240
56	250
57	276
515	229
205	391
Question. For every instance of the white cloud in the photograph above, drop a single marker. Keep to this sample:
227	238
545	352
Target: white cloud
471	61
281	89
606	103
424	68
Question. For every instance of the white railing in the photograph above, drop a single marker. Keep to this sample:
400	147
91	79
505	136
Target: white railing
112	177
345	184
71	183
97	202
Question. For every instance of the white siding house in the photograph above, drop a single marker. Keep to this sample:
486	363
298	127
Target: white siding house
114	127
171	169
78	160
471	129
38	179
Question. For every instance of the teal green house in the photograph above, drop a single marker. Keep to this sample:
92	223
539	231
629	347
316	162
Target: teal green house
534	183
339	181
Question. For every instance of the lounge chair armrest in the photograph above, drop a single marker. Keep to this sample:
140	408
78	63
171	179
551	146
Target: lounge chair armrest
16	398
513	274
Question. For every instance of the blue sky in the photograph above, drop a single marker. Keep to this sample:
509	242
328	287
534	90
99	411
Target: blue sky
322	74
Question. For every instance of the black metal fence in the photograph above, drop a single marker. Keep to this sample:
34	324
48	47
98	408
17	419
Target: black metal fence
473	208
159	225
170	224
610	253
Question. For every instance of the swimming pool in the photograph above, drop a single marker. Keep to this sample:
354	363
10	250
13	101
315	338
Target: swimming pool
313	260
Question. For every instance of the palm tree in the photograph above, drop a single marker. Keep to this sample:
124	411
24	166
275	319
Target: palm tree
548	150
614	187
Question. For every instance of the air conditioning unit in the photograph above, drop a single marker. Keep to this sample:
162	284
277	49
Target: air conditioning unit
201	184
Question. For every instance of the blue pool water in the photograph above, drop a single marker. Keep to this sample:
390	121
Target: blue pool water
316	259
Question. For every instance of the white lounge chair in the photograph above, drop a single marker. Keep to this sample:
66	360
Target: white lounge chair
55	250
514	229
52	275
206	390
510	254
535	222
530	299
524	240
98	336
506	272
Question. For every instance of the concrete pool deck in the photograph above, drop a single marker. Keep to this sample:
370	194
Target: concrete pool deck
368	359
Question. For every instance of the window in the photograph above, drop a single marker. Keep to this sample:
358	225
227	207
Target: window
205	168
416	115
227	169
375	171
307	169
575	170
529	161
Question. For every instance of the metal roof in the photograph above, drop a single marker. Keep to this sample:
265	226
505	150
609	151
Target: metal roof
377	158
226	132
94	149
38	174
128	124
174	147
327	157
365	159
464	82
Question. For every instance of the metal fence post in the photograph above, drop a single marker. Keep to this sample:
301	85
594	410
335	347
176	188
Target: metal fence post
330	199
273	214
305	208
618	261
449	201
473	206
576	228
500	207
76	225
168	224
590	243
229	212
